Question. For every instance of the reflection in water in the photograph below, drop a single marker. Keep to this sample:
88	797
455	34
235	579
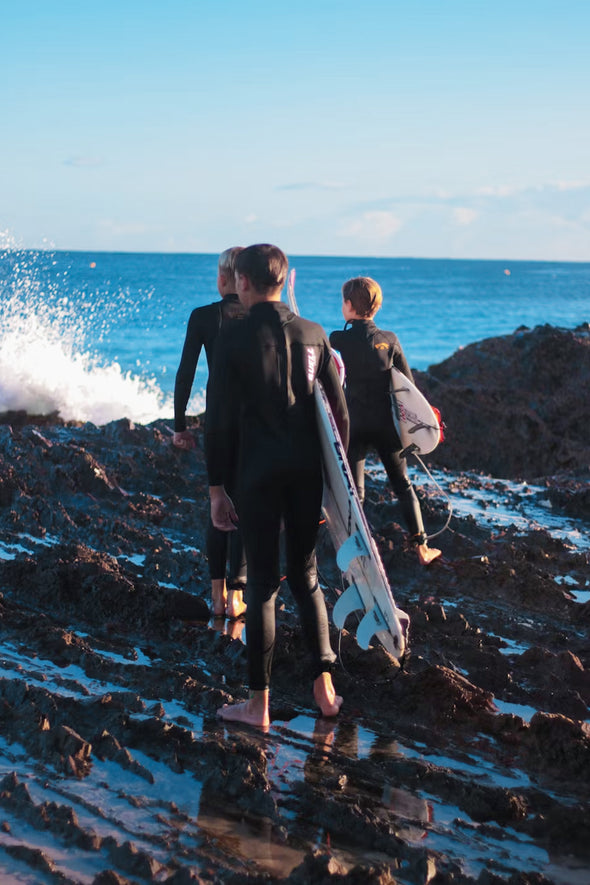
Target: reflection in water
235	629
333	739
407	806
252	840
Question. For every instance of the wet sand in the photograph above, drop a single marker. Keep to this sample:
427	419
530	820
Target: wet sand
468	764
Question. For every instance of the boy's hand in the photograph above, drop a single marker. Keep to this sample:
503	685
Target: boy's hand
223	512
183	439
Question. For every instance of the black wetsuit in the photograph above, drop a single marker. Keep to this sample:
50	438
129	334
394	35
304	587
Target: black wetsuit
369	353
264	370
204	326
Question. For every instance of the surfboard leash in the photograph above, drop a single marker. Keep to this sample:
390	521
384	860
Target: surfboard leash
443	493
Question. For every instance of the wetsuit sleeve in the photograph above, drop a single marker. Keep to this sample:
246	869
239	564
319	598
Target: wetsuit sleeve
185	375
330	379
221	416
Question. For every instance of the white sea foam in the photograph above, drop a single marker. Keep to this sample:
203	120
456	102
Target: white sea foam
46	364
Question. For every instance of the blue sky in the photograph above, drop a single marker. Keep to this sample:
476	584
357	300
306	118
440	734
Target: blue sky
456	128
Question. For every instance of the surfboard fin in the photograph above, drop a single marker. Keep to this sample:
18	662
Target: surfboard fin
349	601
353	546
372	622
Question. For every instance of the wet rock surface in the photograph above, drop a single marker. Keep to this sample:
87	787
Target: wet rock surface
516	405
470	763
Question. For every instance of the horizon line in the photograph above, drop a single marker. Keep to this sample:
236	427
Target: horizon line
101	251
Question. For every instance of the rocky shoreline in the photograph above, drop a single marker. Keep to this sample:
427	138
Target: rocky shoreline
468	764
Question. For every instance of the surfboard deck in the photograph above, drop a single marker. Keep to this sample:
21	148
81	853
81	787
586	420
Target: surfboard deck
357	556
415	421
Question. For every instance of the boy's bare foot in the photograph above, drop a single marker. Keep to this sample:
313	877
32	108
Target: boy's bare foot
235	604
427	554
325	695
218	597
235	628
254	711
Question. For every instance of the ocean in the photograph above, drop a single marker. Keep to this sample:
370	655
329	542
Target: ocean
97	336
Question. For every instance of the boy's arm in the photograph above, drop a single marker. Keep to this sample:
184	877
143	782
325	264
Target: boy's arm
185	374
221	415
400	362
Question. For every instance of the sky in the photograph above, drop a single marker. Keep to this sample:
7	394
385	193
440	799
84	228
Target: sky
423	128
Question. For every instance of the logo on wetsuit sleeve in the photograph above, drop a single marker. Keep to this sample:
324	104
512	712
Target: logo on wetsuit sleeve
312	362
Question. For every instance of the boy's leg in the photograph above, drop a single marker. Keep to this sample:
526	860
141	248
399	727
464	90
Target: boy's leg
357	452
397	473
216	555
236	583
260	519
302	513
236	578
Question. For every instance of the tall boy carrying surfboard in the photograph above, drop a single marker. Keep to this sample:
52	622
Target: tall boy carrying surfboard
369	353
265	368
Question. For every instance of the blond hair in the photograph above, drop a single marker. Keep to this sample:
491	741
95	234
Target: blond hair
227	261
364	294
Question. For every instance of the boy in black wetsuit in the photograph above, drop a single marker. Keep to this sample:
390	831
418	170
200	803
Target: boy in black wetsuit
204	326
264	369
368	354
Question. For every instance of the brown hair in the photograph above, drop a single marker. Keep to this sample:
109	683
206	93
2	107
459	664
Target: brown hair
364	294
265	266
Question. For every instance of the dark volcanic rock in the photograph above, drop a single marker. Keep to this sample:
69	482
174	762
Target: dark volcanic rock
515	406
467	762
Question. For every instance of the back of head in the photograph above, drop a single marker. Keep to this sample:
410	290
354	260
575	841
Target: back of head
364	294
227	261
265	266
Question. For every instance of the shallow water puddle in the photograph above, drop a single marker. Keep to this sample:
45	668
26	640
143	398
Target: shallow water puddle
439	825
421	817
512	647
253	841
72	681
109	802
11	549
526	713
498	502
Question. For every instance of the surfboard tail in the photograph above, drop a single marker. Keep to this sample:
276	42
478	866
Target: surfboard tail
392	636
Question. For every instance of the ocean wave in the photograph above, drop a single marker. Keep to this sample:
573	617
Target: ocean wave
46	363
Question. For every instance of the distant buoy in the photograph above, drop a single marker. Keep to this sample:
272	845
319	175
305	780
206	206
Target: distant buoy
507	272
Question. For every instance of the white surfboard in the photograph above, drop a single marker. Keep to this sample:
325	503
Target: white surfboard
415	421
357	555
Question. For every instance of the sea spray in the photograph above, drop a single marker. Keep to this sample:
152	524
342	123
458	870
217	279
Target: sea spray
47	364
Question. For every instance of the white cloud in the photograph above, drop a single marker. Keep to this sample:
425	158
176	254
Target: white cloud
84	162
464	216
498	190
379	225
251	218
571	185
127	229
312	185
